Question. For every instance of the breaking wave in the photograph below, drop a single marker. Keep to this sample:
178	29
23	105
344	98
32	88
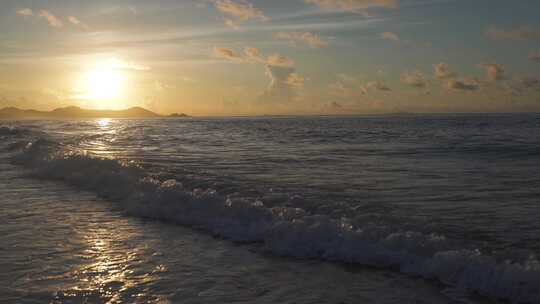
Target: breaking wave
283	231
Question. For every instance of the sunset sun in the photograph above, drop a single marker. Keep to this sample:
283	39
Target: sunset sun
102	83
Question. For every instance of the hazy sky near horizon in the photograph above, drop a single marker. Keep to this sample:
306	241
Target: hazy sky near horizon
226	57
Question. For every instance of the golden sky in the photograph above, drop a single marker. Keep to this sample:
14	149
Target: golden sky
252	57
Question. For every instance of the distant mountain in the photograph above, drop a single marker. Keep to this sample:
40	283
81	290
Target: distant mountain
76	113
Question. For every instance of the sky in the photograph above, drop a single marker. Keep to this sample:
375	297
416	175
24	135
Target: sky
257	57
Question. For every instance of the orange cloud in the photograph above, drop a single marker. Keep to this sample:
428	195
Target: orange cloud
355	6
239	12
225	53
390	37
442	71
494	72
280	60
51	19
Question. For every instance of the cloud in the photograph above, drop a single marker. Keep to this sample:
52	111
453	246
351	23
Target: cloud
25	12
282	88
467	84
530	82
347	78
296	80
285	82
77	22
520	86
279	60
442	71
51	19
225	53
253	54
340	89
534	56
313	40
494	72
346	86
375	86
415	79
354	6
390	37
335	105
239	11
519	34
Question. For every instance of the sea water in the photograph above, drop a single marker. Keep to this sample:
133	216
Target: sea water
382	209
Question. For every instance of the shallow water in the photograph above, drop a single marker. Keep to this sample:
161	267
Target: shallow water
65	246
447	198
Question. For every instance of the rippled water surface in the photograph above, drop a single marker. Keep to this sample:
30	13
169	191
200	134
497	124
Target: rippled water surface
64	246
424	184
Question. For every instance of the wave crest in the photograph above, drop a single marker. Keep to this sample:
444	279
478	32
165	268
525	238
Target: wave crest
284	230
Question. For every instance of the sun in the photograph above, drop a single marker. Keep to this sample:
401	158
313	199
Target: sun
103	84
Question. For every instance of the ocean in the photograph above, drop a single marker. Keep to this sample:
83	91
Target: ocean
357	209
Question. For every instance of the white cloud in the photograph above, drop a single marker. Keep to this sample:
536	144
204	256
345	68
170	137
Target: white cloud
285	83
281	88
311	39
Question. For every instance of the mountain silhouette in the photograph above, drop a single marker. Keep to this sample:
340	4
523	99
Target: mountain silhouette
73	112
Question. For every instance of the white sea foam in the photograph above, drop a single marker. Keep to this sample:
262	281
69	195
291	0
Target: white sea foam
285	231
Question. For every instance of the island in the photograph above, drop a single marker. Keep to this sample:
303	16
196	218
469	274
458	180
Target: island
178	115
73	112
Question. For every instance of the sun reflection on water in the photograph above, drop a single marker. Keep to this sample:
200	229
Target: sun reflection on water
113	272
104	122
